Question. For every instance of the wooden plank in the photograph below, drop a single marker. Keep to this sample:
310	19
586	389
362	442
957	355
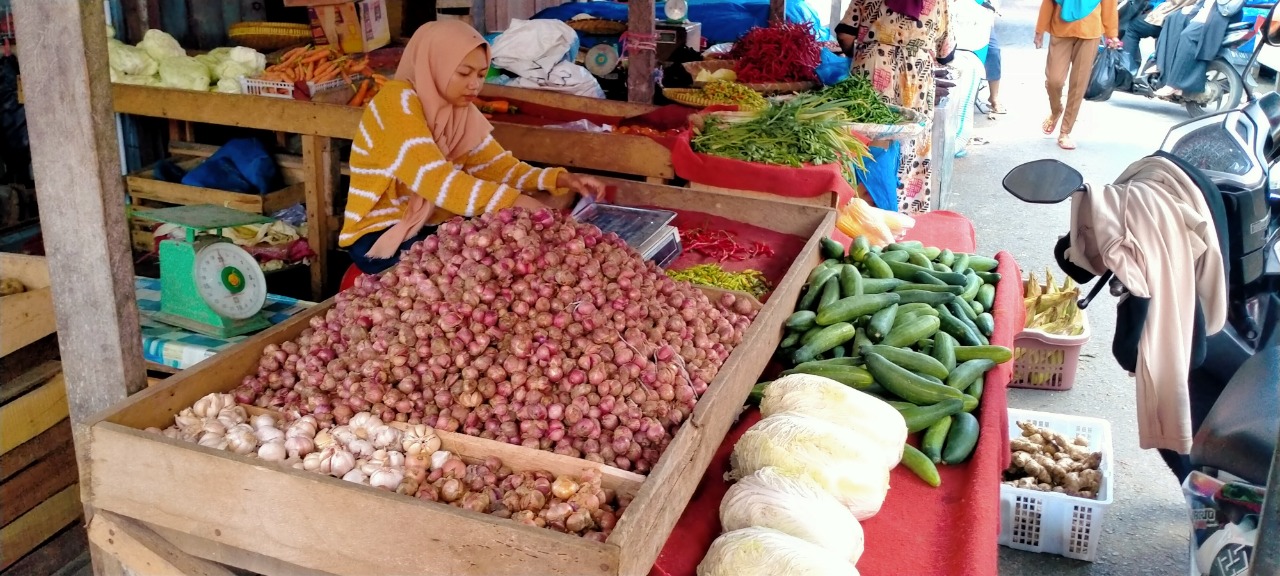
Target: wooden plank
23	360
777	12
51	516
145	188
228	498
50	557
37	483
825	200
142	551
32	271
640	23
618	153
25	382
763	212
274	114
25	318
33	413
289	164
232	556
32	450
320	164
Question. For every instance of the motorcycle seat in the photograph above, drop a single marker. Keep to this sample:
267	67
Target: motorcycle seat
1239	434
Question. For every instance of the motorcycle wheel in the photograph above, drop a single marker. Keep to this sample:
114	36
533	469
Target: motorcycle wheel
1223	90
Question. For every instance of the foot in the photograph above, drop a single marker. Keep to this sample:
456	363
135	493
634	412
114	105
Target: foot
996	108
1049	125
1166	91
1065	142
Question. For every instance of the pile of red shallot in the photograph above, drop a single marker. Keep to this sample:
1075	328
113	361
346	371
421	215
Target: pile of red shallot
523	327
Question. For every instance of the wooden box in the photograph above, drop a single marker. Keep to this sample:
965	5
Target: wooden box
27	316
270	519
143	185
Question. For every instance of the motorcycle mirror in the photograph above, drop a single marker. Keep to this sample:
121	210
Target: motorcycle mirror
1271	28
1044	181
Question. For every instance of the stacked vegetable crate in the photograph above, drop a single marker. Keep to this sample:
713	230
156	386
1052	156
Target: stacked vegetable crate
246	512
39	492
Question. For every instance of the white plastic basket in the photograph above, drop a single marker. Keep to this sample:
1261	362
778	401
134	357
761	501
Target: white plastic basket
281	89
1048	521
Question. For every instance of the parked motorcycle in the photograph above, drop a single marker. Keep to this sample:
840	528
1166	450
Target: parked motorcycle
1225	76
1235	392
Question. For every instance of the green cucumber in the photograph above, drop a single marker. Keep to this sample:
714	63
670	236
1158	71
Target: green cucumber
902	318
790	340
977	306
880	285
986	296
808	335
961	263
817	271
919	259
906	270
882	322
911	360
944	350
801	320
997	354
850	376
860	340
895	255
946	257
911	332
982	263
960	309
970	403
939	287
925	296
934	437
921	417
810	299
830	248
859	249
940	267
953	326
877	267
961	439
821	277
922	277
989	277
906	384
986	324
830	293
850	281
972	284
899	405
908	245
920	464
854	307
826	339
932	252
975	389
839	352
920	307
853	360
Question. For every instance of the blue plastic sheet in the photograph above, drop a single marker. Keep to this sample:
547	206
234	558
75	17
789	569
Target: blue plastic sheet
881	175
833	68
722	20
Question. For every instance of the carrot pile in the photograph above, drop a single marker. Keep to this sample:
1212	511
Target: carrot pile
367	89
317	65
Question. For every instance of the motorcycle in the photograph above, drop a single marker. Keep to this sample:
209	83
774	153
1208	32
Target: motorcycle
1226	76
1235	393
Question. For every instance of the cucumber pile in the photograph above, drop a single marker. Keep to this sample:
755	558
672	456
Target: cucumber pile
910	324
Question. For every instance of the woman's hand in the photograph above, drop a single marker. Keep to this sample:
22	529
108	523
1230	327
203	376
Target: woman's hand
1039	40
528	203
582	184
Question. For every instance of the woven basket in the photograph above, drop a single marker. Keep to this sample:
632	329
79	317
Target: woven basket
693	68
694	97
912	124
268	36
598	26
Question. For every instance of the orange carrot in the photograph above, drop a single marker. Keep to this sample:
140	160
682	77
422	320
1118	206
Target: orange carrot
357	100
296	51
318	56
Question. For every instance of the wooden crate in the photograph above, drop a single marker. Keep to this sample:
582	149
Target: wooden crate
265	518
142	185
27	316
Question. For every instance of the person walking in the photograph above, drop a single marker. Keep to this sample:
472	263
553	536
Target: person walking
1146	25
1075	28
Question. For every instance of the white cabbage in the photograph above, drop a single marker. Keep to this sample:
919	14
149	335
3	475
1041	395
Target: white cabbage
184	72
228	86
161	45
834	402
766	552
792	504
844	463
249	58
130	60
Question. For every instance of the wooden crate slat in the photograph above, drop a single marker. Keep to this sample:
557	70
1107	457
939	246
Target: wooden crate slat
24	534
32	450
27	416
69	548
622	154
232	556
26	317
146	188
40	481
140	549
28	380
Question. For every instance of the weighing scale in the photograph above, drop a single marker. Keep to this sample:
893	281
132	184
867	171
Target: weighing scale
646	231
208	284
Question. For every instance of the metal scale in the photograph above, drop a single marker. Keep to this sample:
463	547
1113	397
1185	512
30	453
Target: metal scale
208	284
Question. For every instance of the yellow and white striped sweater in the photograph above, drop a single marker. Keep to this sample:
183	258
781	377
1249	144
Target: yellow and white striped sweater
393	155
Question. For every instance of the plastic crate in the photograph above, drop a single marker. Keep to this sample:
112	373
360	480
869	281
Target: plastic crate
281	89
1046	361
1055	523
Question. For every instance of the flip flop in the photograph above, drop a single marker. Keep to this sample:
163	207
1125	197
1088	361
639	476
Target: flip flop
1066	143
1049	125
998	109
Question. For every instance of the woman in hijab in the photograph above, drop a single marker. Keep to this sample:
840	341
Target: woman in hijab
424	152
1075	28
896	44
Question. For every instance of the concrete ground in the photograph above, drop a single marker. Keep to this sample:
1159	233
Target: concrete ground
1145	531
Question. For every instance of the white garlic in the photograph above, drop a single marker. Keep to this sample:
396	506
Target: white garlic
324	439
187	421
299	466
386	478
343	435
299	446
356	476
312	461
232	415
361	448
341	462
269	434
385	436
438	458
359	422
211	405
213	440
153	430
213	426
272	451
395	459
305	426
263	421
240	439
420	438
172	432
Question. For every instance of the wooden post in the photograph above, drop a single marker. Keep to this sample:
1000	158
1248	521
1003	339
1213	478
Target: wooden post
86	234
640	63
320	164
778	12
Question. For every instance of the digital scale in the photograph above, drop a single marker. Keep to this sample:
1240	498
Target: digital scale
647	231
208	284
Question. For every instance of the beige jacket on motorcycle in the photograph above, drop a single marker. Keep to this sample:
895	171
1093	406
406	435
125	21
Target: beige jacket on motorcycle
1153	229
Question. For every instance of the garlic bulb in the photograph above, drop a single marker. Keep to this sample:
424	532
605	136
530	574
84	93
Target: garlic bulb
214	427
361	448
299	446
360	422
335	462
356	476
386	477
312	461
211	405
343	435
263	421
324	439
213	440
240	439
420	438
153	430
269	434
232	415
172	432
385	436
272	451
186	420
438	458
305	426
395	459
299	466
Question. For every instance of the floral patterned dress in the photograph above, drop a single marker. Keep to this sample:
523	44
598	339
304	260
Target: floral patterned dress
898	53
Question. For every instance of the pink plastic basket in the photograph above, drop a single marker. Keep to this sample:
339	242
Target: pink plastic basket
1046	361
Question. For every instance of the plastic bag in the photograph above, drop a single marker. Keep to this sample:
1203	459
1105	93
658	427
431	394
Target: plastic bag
1102	81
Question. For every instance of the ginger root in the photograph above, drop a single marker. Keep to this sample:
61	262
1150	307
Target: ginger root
1047	461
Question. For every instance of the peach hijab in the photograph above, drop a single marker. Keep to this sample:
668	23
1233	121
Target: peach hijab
429	62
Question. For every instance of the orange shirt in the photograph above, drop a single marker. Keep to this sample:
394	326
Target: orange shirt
1102	22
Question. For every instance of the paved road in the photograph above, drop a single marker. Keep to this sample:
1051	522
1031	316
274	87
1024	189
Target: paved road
1145	531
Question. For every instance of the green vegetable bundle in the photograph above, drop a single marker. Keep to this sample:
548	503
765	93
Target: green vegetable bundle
801	131
860	101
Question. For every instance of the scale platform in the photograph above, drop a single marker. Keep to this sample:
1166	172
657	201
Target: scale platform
647	231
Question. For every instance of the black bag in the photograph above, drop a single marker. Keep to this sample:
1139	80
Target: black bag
1103	79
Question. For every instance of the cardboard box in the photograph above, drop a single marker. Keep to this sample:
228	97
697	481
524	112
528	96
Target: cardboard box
354	27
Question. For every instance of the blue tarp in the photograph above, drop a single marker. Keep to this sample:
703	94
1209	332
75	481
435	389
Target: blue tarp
881	175
722	20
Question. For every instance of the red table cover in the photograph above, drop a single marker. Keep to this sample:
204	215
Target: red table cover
805	182
951	530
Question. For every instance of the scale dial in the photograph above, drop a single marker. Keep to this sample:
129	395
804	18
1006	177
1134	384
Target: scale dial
229	280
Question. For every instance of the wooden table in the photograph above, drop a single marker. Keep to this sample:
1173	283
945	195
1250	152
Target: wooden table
318	124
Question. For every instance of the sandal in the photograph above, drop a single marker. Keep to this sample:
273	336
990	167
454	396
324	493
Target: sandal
1065	142
998	109
1049	125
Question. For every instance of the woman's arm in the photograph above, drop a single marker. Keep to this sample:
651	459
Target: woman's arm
1110	20
489	161
847	29
1042	23
946	48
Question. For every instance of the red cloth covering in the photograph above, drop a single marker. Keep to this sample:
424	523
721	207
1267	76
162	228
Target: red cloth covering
951	530
805	182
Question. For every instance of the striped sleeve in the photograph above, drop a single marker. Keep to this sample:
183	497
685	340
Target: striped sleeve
491	162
